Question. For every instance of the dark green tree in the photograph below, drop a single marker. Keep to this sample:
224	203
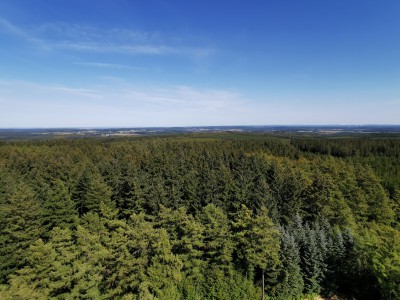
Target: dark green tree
58	208
257	240
290	283
218	241
20	228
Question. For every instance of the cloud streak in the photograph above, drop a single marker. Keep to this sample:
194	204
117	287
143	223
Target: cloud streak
36	105
74	37
118	104
108	65
20	33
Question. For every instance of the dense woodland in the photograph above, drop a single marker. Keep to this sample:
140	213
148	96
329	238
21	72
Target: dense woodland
200	217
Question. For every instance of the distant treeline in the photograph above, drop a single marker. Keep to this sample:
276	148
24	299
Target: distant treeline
200	217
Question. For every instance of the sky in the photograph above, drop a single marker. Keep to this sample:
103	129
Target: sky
128	63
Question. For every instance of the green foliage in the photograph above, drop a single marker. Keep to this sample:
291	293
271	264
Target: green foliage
193	217
58	208
218	243
257	239
20	227
382	249
186	235
290	282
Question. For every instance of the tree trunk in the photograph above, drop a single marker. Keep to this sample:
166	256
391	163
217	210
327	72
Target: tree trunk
263	288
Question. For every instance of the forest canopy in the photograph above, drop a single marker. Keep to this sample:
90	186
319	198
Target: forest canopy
200	217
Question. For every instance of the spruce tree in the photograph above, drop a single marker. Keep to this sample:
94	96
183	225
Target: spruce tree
58	208
218	243
335	262
34	280
312	264
97	192
257	241
290	283
164	271
20	228
89	266
186	235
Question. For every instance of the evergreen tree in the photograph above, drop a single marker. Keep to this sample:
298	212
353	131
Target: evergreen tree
89	266
312	262
164	271
97	192
20	228
66	253
218	243
34	280
186	236
90	191
335	263
257	242
290	283
58	208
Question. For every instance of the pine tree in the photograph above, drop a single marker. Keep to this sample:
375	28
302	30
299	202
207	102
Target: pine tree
63	243
97	192
58	208
34	280
125	264
20	228
257	242
164	271
335	262
312	264
290	283
91	190
218	242
186	235
89	266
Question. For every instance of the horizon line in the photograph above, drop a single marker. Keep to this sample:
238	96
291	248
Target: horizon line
201	126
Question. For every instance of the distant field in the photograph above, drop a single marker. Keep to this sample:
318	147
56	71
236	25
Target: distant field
221	132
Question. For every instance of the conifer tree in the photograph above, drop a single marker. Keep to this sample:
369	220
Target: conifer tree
34	280
20	228
89	266
58	208
218	242
164	272
335	262
48	271
186	235
63	243
91	190
257	242
97	192
312	263
290	283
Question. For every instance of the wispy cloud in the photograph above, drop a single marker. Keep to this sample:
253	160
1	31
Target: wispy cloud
22	34
75	37
70	31
108	65
34	105
29	104
118	49
50	89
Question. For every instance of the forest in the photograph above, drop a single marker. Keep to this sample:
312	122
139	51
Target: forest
196	216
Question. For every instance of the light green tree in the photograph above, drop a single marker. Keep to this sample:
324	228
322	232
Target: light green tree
257	242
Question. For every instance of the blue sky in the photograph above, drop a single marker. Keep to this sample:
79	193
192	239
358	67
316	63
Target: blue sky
125	63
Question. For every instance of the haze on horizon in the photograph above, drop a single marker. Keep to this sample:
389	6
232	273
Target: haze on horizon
128	63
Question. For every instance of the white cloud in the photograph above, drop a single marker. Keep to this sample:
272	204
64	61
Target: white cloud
27	104
118	104
108	65
116	48
70	31
22	34
75	37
